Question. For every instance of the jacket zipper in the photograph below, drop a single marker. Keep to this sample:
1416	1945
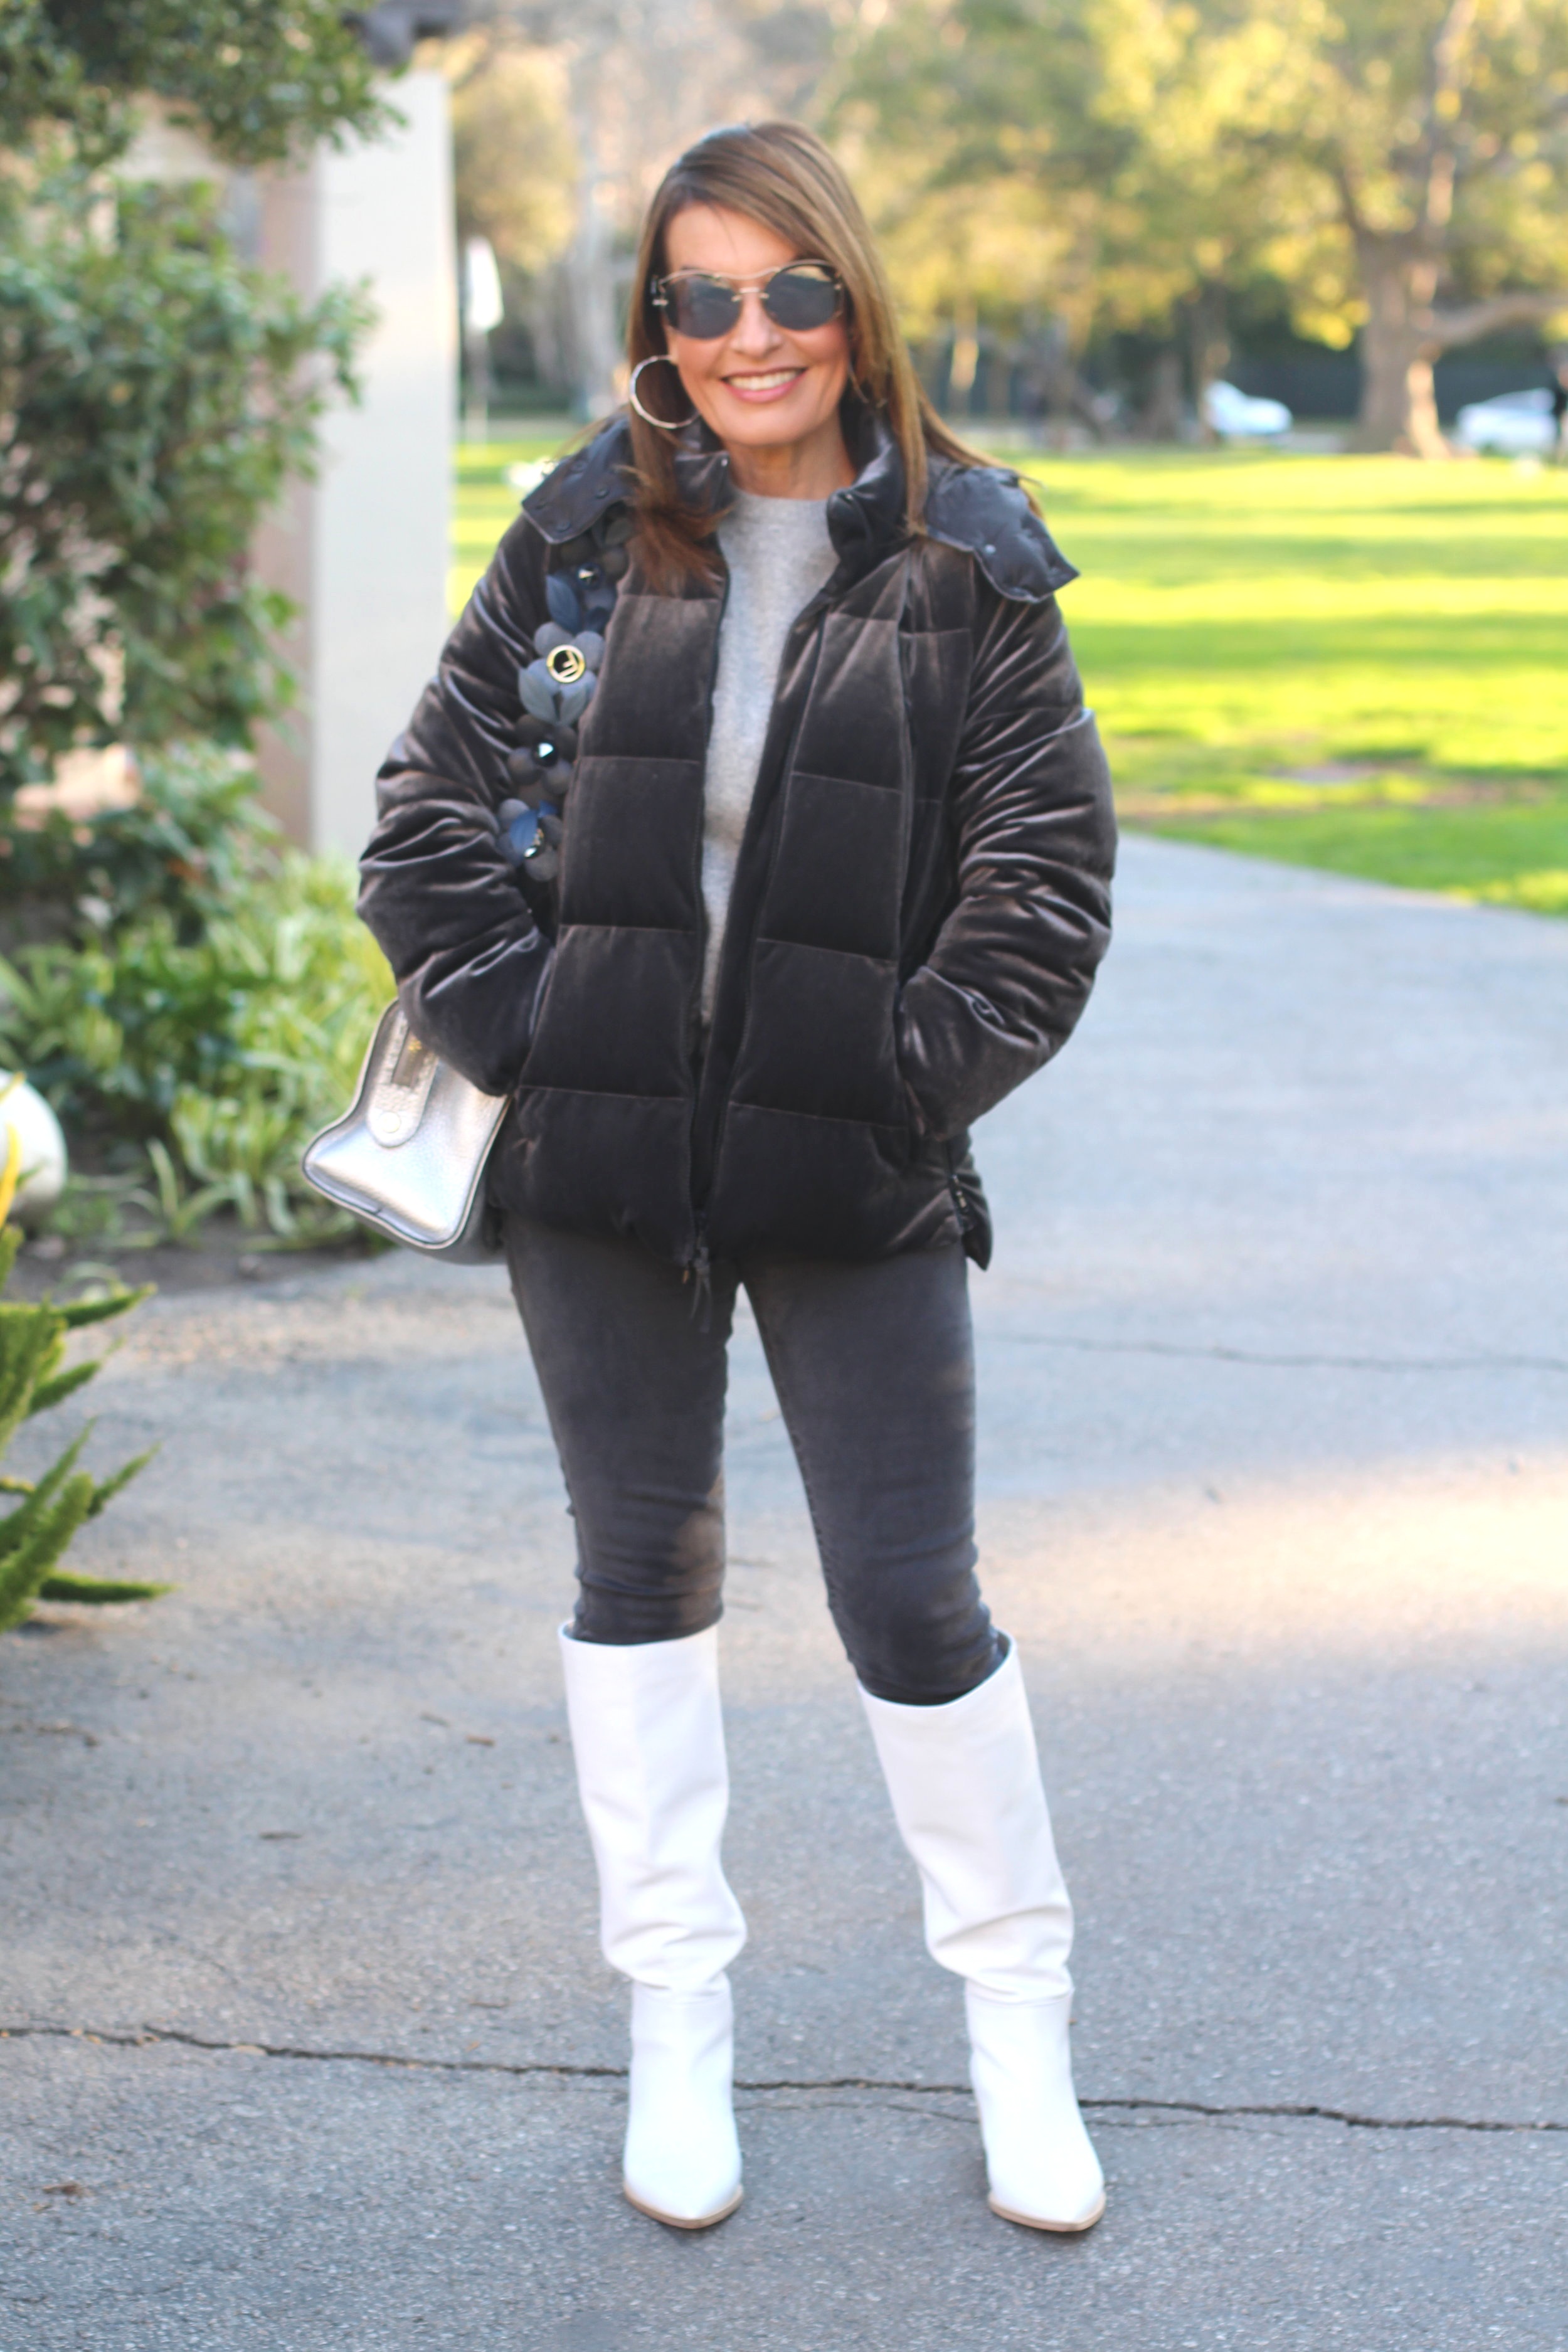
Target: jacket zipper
783	768
698	1264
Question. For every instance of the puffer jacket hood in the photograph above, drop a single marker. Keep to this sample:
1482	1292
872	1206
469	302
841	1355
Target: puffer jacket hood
920	903
982	510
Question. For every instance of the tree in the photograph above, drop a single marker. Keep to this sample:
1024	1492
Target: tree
515	170
1057	168
637	79
1399	166
1426	145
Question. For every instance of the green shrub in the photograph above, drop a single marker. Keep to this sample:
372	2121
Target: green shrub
194	833
157	392
261	79
192	1047
191	1001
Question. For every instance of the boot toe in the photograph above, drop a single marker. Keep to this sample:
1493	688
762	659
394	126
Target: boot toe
1038	2221
688	2178
1060	2206
685	2209
1049	2177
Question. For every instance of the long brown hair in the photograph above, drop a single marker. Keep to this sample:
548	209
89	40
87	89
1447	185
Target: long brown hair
782	176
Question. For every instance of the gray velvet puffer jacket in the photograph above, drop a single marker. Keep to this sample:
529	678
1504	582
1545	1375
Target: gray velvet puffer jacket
921	898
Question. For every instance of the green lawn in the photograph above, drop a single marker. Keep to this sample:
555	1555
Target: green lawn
1347	662
486	502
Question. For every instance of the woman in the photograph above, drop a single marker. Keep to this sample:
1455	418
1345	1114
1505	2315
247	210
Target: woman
753	838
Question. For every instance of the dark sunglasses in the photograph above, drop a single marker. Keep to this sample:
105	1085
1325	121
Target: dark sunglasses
802	295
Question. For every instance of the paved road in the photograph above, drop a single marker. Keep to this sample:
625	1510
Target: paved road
310	2044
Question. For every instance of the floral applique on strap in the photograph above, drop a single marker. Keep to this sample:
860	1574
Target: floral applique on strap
555	689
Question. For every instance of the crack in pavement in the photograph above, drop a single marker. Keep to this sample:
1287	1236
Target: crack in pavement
149	2036
1288	1363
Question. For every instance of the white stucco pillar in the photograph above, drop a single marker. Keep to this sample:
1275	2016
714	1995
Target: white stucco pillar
364	550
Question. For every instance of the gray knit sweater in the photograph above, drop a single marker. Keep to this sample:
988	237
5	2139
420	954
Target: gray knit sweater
779	555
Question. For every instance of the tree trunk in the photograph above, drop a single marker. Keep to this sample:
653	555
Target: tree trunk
1208	347
1162	418
1054	382
964	364
1398	408
591	279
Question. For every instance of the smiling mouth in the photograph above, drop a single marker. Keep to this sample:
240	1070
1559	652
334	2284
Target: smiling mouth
765	380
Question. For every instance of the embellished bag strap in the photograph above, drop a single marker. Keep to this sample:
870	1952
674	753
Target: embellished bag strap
555	689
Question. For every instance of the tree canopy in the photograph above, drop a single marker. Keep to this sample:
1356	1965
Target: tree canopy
1399	167
261	80
567	112
1422	146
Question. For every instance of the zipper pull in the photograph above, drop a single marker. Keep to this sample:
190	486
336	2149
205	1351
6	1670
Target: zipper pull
701	1266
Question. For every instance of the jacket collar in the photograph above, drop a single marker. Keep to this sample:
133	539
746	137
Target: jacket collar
583	487
980	508
984	508
865	520
868	518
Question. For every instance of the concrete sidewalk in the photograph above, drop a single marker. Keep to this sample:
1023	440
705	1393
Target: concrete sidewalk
309	2042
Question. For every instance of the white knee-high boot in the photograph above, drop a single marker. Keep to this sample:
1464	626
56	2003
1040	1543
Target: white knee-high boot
964	1780
648	1740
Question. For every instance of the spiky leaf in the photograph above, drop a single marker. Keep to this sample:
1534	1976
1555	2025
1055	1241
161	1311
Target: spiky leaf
110	1487
98	1311
63	1385
17	1527
25	1570
98	1590
30	1341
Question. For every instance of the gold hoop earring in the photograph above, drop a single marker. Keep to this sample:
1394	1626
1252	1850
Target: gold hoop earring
658	358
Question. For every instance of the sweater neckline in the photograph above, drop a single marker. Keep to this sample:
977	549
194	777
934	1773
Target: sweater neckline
802	514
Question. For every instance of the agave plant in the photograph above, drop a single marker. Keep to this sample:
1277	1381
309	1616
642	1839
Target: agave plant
36	1533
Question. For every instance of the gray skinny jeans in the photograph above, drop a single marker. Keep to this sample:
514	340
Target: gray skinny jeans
874	1368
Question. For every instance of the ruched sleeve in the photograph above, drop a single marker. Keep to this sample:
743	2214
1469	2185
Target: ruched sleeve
1011	968
436	889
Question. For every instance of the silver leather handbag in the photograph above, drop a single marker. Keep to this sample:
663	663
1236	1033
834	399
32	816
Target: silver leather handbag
408	1156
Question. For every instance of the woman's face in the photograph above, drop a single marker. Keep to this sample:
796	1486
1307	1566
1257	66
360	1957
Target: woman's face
770	395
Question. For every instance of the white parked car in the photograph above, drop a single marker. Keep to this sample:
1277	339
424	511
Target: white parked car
1237	416
1515	424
